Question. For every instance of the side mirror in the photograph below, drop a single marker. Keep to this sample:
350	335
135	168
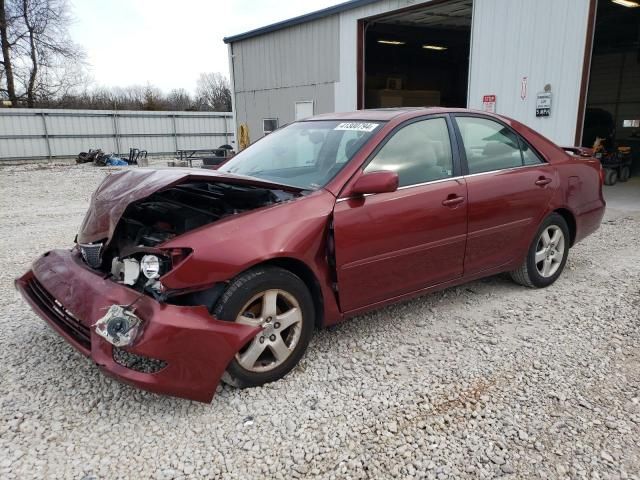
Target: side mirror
376	182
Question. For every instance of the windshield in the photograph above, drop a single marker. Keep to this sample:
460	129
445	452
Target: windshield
304	154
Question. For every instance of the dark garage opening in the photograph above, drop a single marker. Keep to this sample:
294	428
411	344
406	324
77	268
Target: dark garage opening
613	99
418	57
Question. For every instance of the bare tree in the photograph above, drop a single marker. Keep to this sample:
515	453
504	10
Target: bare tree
179	99
40	61
6	74
213	92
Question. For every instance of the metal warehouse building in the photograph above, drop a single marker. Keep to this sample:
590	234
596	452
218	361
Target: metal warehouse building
548	63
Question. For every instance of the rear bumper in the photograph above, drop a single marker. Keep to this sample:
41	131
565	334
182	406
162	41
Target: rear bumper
588	220
195	346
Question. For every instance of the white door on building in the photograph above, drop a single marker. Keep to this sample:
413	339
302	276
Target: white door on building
304	109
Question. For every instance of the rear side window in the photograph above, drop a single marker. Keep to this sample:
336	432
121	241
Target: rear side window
419	152
529	157
488	145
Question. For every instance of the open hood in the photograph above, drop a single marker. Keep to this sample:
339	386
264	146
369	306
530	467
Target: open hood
119	190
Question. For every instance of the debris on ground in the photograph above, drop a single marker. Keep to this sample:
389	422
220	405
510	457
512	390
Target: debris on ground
101	159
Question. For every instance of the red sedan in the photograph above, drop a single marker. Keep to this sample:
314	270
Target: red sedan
180	278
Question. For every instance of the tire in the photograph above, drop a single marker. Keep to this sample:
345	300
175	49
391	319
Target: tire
262	296
625	173
534	274
611	177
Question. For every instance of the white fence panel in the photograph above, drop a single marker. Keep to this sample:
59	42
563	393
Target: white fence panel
45	133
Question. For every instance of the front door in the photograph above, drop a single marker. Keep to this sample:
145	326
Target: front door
390	244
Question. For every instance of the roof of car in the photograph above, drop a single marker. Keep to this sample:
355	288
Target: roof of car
383	114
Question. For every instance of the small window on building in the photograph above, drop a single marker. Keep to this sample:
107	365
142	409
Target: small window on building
304	109
631	123
269	125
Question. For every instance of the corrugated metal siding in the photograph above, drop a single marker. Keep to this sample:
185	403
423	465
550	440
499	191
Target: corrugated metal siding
273	71
253	107
305	54
33	133
543	40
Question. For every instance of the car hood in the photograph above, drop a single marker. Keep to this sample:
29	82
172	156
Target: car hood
120	189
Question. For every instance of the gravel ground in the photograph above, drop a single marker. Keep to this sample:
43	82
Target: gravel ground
484	380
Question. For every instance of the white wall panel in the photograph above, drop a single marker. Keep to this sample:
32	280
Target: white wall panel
60	146
543	40
20	125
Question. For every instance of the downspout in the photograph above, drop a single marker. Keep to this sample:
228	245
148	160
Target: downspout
232	84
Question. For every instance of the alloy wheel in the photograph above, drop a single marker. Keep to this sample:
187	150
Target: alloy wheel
279	314
549	251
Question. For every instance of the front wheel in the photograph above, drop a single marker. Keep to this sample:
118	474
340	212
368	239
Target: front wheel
547	254
279	302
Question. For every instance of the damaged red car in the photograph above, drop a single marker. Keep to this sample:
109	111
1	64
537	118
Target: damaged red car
181	278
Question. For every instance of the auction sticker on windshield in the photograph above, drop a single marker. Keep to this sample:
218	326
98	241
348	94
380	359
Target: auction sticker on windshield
357	126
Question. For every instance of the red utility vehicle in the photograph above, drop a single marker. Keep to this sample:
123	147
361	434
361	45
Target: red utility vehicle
182	277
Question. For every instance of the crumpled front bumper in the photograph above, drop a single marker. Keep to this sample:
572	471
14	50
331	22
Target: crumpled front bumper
195	346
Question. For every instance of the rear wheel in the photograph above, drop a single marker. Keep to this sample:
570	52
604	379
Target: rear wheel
625	173
547	254
279	302
610	177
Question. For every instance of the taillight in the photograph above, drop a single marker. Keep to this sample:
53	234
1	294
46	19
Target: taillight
601	174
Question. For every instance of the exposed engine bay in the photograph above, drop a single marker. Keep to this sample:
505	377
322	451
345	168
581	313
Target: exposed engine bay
133	256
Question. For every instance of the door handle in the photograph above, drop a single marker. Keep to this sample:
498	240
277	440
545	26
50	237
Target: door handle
542	181
452	201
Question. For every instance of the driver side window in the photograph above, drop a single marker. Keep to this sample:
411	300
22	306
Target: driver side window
419	152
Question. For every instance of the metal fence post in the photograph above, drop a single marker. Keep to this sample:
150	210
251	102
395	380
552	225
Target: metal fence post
46	134
115	132
175	132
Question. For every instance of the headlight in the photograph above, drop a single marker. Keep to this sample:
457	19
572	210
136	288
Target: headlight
150	266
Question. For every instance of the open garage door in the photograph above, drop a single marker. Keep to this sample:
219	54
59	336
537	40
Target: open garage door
613	102
418	56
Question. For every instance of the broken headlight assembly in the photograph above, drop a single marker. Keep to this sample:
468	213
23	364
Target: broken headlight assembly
151	266
144	269
119	326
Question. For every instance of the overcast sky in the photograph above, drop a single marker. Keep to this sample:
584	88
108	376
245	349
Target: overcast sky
167	42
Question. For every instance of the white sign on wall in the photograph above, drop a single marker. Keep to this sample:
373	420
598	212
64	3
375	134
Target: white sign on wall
543	104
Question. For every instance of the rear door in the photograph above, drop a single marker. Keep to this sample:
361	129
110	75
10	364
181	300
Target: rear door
509	188
389	244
